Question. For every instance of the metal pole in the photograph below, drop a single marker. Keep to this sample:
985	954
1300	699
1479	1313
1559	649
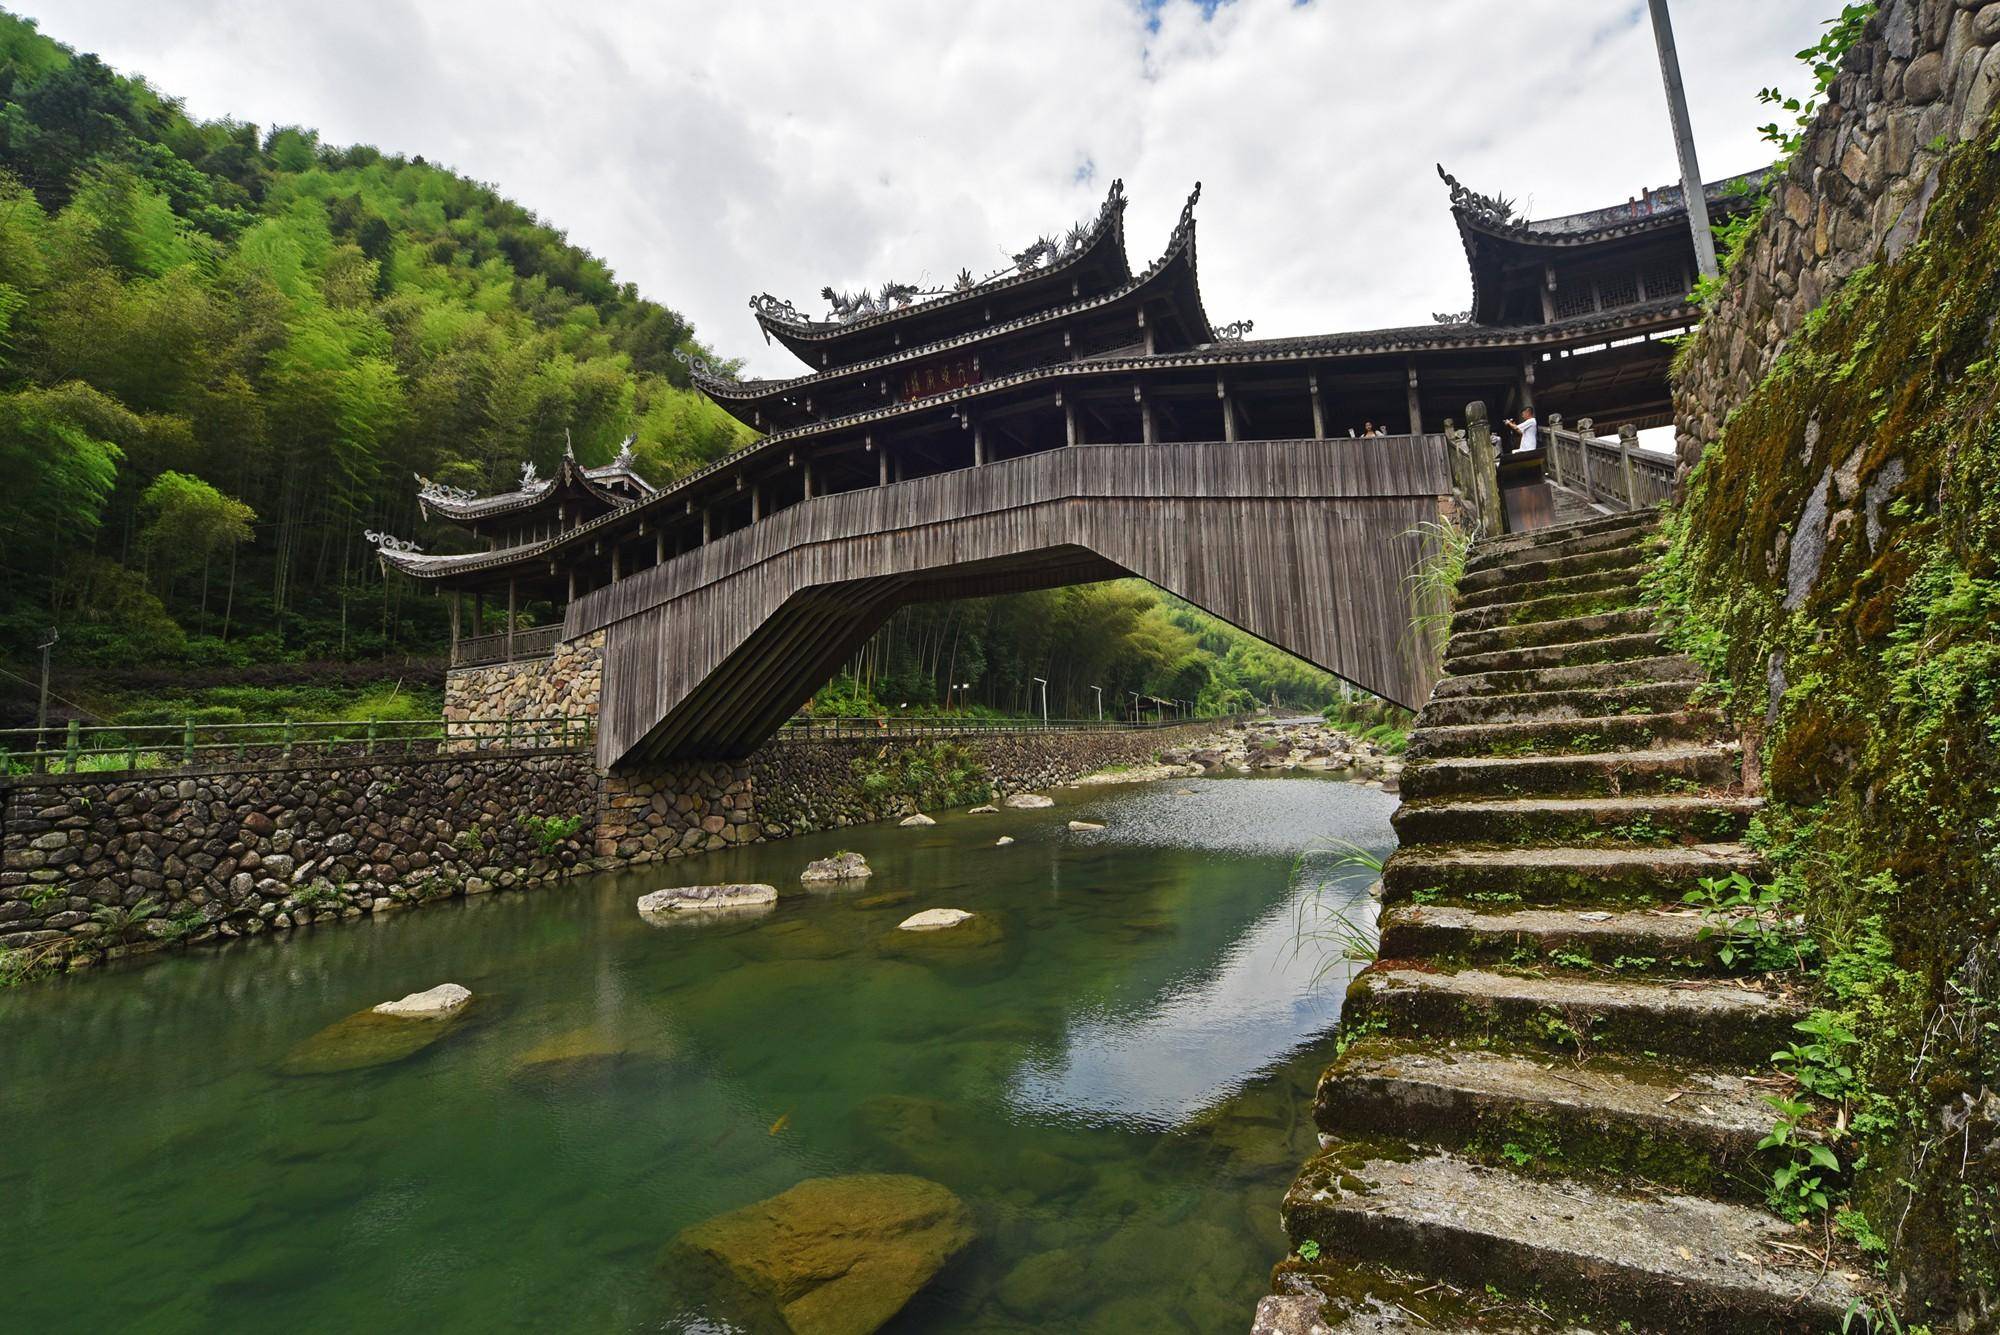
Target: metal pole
1100	702
42	707
1691	191
1045	699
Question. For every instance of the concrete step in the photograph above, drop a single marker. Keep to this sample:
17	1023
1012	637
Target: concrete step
1559	607
1660	1262
1536	567
1642	819
1588	581
1568	676
1660	697
1614	732
1345	1298
1601	773
1692	1129
1724	1022
1592	876
1587	535
1610	649
1626	942
1572	630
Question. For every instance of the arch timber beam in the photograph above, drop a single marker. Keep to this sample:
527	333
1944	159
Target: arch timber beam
1306	544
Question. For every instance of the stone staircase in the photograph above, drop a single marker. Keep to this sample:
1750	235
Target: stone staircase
1548	1112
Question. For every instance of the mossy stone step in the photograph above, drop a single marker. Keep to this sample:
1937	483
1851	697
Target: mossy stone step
1603	773
1639	940
1535	568
1589	581
1569	630
1569	676
1552	737
1659	697
1661	1262
1592	876
1609	649
1703	1020
1527	611
1683	1128
1642	819
1585	535
1341	1297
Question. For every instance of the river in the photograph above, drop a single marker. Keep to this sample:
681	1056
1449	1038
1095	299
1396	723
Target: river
1119	1087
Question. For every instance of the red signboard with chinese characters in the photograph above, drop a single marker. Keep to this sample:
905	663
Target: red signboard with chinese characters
939	377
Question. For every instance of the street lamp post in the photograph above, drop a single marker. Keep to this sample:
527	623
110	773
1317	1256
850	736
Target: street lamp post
1044	682
1135	705
1100	702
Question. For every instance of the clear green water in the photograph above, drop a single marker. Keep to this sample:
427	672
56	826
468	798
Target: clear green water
1125	1077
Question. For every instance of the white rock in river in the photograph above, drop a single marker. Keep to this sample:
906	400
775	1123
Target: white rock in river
1029	801
1003	841
839	867
933	920
1082	825
697	897
437	1001
986	809
919	819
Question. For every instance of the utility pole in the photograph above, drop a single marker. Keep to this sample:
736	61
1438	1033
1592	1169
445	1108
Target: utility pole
1691	191
42	708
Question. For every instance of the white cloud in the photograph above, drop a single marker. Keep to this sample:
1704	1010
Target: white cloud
711	151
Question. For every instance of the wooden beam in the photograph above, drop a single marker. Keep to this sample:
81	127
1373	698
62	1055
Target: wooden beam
1415	404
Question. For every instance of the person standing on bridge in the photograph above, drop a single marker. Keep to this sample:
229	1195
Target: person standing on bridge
1525	429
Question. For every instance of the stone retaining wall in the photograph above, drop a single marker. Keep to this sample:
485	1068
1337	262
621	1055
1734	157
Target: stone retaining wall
229	851
566	684
797	787
1924	77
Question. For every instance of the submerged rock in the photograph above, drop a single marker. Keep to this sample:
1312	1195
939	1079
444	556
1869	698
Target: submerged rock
701	898
1081	826
840	867
886	900
444	999
1003	841
582	1055
933	920
1029	801
366	1038
919	819
832	1256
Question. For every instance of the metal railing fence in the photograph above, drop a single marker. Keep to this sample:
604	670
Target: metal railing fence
124	748
883	727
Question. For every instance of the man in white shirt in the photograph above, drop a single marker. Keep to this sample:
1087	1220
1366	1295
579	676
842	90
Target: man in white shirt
1525	428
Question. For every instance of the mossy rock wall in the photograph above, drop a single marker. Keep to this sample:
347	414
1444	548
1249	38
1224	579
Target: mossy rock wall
1836	564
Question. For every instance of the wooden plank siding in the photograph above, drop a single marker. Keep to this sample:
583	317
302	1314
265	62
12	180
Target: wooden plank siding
1307	544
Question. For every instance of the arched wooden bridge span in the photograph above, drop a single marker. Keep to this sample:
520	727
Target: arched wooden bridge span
1308	544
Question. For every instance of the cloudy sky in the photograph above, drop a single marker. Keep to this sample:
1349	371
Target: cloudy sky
713	150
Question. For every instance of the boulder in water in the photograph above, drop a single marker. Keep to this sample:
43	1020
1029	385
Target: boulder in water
705	898
841	866
1084	826
919	819
832	1256
430	1004
933	920
1029	801
365	1038
983	809
1003	841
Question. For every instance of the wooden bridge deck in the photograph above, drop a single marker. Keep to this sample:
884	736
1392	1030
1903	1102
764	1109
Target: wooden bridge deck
1306	544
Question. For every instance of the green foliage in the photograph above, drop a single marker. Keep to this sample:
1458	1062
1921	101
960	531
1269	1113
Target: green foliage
1748	917
231	349
317	896
1434	586
1309	1250
1373	720
942	774
119	923
1822	60
552	832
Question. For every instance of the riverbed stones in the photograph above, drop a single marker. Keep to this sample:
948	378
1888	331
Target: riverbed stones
1029	801
831	1256
706	899
983	809
1084	826
843	866
934	920
918	819
1003	841
581	1056
432	1003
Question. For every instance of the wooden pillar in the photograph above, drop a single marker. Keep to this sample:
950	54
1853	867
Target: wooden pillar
617	563
1319	408
572	584
808	476
479	612
756	501
1416	404
456	601
1528	380
978	444
1149	425
1548	288
513	605
1071	436
896	468
1228	409
707	525
881	460
660	548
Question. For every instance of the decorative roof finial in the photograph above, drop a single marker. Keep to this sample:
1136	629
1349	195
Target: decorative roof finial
528	477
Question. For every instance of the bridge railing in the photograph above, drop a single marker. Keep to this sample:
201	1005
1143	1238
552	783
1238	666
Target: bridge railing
884	727
1610	472
126	748
501	647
